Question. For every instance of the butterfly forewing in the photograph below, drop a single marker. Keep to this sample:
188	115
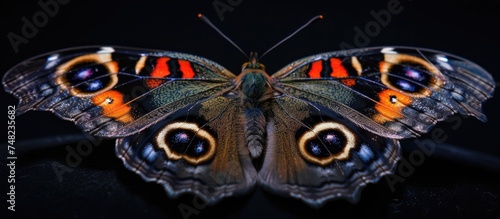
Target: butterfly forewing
394	92
114	91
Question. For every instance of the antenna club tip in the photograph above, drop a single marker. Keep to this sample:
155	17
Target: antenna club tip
320	16
200	15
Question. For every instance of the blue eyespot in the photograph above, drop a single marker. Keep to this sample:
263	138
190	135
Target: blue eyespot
414	74
94	85
406	86
331	138
315	149
199	148
83	74
181	137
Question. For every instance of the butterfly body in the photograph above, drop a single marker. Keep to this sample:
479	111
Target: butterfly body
321	128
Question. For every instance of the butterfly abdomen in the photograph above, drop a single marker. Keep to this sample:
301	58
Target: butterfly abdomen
255	131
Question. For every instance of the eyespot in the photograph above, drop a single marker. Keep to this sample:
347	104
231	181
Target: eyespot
390	105
183	140
113	105
409	74
87	75
326	142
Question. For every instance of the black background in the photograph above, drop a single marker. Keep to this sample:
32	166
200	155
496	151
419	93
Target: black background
100	187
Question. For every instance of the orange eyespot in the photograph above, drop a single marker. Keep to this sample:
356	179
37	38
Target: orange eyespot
113	106
390	105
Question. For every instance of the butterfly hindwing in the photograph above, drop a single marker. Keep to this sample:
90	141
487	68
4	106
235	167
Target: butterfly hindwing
316	155
114	91
199	150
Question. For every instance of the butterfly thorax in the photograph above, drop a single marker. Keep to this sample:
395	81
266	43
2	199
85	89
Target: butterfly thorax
254	83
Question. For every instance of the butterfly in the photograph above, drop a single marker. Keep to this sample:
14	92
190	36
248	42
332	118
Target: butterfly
321	128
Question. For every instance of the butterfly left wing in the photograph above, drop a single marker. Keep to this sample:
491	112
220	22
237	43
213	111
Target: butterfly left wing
336	116
316	155
393	92
114	91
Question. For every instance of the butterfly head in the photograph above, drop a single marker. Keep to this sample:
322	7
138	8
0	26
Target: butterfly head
253	63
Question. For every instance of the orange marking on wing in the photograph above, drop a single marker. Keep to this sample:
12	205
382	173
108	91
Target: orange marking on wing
161	70
315	71
389	110
348	82
113	106
338	70
113	67
152	83
185	67
384	66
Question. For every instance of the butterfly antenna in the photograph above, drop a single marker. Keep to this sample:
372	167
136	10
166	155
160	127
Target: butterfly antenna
206	20
292	34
